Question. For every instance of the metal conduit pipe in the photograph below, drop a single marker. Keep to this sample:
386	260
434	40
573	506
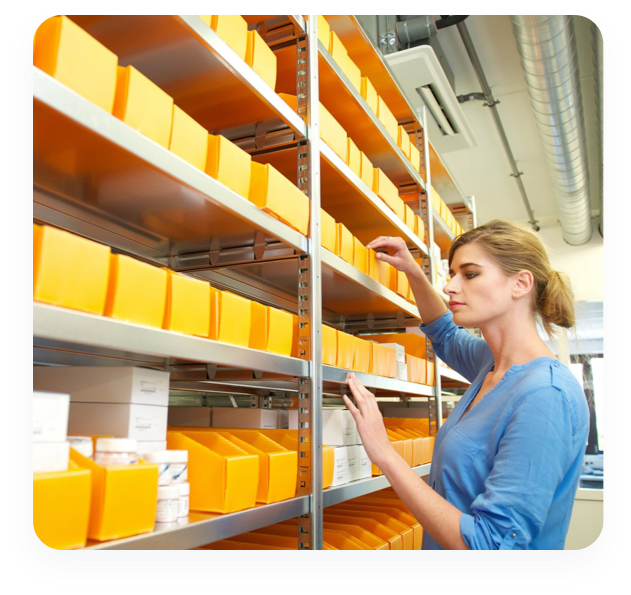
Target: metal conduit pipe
491	102
547	47
597	44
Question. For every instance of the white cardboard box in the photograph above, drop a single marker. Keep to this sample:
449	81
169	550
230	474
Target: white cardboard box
340	466
50	456
50	417
353	462
190	416
241	417
338	427
105	384
365	465
142	422
402	371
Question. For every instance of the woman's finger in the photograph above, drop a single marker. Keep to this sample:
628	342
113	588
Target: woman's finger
354	411
369	399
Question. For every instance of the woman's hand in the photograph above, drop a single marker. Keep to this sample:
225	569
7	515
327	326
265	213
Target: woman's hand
396	253
369	422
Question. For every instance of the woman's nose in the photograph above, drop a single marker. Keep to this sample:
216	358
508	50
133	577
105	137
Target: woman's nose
451	287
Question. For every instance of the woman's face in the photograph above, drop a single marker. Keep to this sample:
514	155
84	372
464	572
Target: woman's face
479	291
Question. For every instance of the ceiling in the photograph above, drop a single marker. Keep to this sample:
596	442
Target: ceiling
483	170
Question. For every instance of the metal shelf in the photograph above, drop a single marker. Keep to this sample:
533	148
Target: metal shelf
202	528
443	236
92	168
350	109
79	328
362	487
452	375
188	60
338	375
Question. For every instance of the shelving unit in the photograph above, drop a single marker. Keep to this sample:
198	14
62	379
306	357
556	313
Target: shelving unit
127	192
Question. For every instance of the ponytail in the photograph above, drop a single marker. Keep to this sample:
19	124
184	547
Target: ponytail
556	302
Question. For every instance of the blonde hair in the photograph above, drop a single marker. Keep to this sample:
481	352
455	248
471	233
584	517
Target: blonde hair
516	248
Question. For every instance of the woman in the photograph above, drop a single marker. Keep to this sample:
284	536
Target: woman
507	461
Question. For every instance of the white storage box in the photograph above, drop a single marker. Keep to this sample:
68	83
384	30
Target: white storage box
50	417
340	466
190	416
234	417
50	456
142	422
117	384
402	371
338	427
365	465
353	462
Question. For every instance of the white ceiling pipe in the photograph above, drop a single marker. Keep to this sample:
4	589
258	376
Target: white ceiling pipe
547	48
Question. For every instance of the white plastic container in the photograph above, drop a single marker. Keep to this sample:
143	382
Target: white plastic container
185	492
115	451
82	444
168	504
178	462
163	460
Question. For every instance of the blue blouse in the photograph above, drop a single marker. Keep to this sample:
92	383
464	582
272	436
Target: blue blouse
512	464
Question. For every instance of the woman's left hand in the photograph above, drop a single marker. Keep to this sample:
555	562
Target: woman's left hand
369	422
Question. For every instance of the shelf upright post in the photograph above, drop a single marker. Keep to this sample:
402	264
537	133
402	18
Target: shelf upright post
310	299
435	402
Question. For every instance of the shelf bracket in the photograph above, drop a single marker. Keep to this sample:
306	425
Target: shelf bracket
215	251
370	320
260	245
211	370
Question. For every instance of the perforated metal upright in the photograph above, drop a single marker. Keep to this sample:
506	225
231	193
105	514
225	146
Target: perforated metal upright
310	299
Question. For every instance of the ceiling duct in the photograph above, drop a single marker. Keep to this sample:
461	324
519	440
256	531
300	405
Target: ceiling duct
547	47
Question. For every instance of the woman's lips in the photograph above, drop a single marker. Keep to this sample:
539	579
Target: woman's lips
454	305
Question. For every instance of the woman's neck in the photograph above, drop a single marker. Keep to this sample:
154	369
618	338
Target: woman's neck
514	341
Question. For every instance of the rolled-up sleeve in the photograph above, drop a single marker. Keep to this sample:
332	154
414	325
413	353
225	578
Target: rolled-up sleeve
532	459
457	347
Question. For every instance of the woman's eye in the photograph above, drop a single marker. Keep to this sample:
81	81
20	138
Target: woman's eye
471	275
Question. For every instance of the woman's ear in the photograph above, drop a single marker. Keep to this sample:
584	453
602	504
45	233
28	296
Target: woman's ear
524	283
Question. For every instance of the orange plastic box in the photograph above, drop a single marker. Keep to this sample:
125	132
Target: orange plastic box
384	361
403	140
223	477
295	339
417	369
332	132
419	227
261	58
275	194
233	29
345	350
387	119
344	248
230	318
336	515
337	50
430	373
189	140
354	157
61	507
324	31
228	164
369	94
329	345
352	71
187	306
143	105
414	344
405	531
415	157
407	445
66	52
360	256
124	498
409	217
403	517
343	540
137	291
388	272
370	539
373	265
278	467
387	191
328	231
367	170
403	285
362	358
70	271
271	329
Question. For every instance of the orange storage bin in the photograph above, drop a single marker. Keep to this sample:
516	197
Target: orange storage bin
403	140
137	291
189	140
403	285
223	477
354	74
66	52
409	217
233	29
230	318
333	133
228	164
187	306
374	266
419	227
345	350
338	52
387	191
384	361
271	329
143	105
407	446
261	58
405	531
369	94
124	498
399	515
431	368
349	517
61	507
329	346
387	119
276	195
370	539
328	231
417	369
70	271
367	170
344	248
324	31
414	344
362	358
360	256
415	157
278	467
354	158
